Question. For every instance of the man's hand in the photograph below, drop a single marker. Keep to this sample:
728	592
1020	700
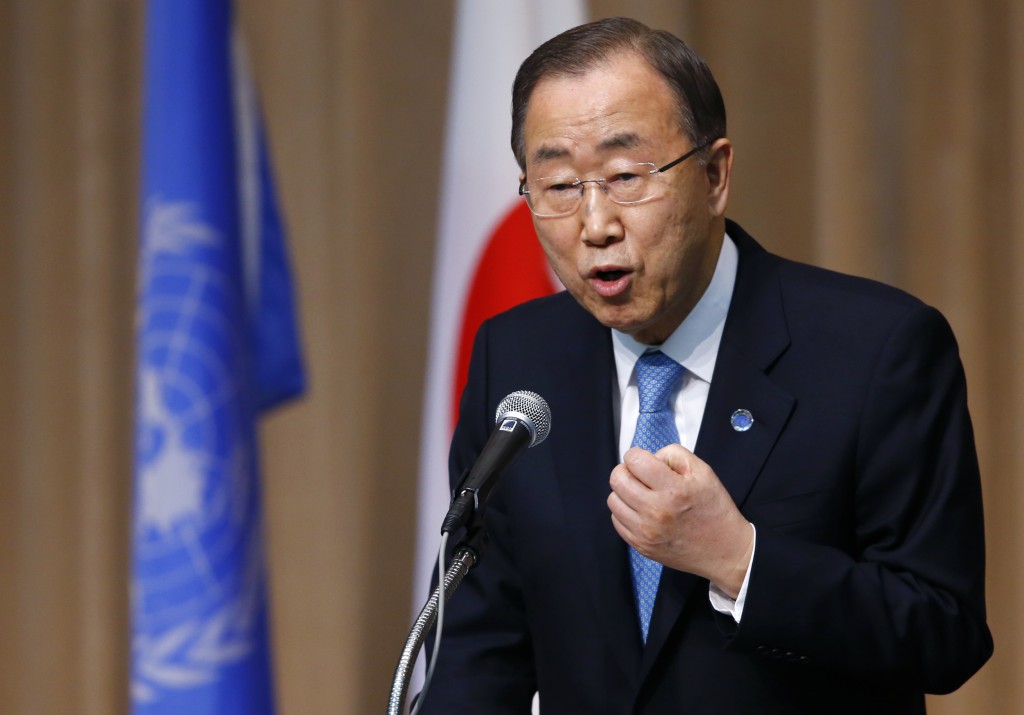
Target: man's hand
672	508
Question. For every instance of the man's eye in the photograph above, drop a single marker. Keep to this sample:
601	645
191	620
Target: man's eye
624	177
562	186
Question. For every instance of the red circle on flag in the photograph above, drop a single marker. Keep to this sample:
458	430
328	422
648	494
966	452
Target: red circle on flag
512	269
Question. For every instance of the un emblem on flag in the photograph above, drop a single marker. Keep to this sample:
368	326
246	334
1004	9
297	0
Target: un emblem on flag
198	584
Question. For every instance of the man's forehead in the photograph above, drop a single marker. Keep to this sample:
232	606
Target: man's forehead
620	105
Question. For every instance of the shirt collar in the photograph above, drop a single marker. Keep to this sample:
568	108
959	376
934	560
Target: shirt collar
694	344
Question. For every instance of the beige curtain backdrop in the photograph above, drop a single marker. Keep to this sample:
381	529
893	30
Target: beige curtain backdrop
878	137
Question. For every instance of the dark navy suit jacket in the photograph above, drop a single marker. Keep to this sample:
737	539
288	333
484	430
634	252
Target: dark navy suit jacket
860	474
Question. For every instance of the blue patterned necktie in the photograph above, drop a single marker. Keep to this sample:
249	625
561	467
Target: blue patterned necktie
657	377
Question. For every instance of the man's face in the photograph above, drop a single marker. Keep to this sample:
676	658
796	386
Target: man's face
637	268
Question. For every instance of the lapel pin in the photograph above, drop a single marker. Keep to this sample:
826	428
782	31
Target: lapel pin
741	420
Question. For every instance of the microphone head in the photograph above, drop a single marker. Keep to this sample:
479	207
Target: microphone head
531	409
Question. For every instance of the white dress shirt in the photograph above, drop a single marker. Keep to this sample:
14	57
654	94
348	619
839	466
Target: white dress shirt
694	345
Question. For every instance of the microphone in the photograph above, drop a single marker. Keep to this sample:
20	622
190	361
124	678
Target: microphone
523	420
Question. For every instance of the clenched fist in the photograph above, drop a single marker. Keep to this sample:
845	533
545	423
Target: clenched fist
671	507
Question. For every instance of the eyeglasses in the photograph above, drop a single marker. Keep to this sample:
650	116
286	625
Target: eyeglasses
554	196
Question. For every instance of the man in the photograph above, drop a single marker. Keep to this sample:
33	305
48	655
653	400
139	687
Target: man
798	527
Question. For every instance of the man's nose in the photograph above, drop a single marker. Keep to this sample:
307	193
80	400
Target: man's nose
600	215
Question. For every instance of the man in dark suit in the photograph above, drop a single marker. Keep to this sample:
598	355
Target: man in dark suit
802	533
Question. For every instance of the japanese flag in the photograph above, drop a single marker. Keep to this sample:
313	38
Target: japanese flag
488	258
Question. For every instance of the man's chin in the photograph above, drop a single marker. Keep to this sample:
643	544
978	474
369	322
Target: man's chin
643	331
616	320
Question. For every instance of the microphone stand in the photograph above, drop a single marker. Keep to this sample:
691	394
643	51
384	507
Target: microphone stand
467	555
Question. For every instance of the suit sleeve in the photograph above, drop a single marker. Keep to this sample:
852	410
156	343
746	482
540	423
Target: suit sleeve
907	605
485	663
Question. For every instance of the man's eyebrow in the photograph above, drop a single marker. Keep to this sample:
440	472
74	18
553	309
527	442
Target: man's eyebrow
546	153
626	140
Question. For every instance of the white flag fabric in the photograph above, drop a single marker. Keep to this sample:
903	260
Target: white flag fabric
488	258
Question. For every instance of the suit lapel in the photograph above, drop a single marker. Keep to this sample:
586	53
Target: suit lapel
583	461
755	336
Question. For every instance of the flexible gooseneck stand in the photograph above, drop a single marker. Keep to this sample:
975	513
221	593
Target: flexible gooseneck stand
467	553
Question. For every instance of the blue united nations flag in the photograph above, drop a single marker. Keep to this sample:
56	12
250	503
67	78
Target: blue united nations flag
217	344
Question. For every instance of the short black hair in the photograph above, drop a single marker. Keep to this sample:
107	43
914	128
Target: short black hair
579	50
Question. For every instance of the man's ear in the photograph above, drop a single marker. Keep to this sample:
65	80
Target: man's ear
719	172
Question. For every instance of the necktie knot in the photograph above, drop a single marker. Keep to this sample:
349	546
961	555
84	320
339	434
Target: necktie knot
657	377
